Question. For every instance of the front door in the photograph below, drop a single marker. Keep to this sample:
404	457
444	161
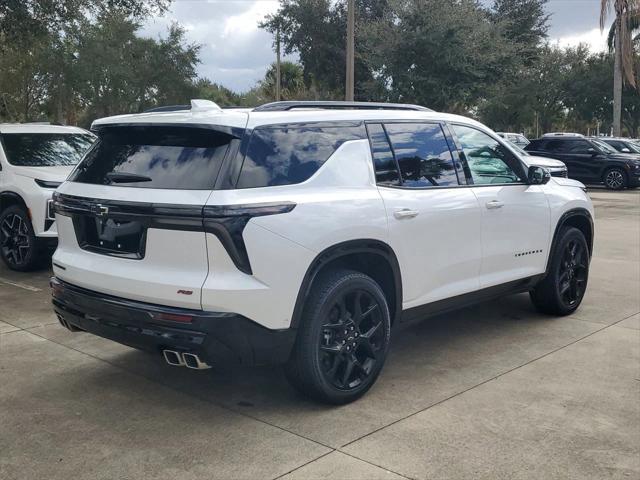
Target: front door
515	215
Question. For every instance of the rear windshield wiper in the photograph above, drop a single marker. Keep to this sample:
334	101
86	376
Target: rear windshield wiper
117	177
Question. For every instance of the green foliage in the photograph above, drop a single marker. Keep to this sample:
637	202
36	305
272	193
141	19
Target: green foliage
292	85
96	66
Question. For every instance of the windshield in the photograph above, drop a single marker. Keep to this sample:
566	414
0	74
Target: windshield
604	147
45	149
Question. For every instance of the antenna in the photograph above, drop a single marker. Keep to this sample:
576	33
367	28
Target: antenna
199	105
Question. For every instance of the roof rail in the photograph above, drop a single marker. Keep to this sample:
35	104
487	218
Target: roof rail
335	105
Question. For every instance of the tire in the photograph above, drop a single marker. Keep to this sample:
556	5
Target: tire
615	179
562	290
19	247
340	349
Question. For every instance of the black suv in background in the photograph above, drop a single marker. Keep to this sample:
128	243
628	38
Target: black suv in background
590	160
623	145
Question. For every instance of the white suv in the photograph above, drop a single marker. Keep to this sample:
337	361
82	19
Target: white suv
34	160
301	232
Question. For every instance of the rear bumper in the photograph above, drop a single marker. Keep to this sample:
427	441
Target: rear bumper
216	337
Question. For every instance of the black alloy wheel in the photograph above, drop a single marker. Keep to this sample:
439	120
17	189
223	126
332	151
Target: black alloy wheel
561	291
343	338
351	339
615	179
574	268
18	247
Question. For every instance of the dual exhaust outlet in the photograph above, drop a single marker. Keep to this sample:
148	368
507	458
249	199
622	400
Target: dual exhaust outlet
182	359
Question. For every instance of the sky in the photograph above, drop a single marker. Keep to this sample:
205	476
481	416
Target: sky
236	53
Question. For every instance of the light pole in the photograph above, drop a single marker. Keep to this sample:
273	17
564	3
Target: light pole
348	96
278	64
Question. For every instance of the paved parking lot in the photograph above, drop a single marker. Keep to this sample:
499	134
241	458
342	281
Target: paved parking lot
493	391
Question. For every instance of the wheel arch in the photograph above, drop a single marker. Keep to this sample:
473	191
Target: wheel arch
371	257
8	199
579	218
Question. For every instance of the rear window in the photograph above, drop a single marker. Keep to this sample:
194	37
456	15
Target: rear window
45	149
182	158
285	155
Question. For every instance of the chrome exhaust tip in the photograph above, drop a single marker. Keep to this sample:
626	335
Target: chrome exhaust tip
173	358
192	360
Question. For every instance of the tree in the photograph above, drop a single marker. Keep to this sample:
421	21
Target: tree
292	85
623	51
316	31
524	23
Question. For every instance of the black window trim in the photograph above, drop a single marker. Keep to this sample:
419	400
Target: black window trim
466	164
445	132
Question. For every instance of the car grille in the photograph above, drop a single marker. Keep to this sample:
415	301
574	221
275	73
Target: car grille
559	173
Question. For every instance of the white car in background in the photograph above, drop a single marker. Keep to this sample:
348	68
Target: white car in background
34	160
516	138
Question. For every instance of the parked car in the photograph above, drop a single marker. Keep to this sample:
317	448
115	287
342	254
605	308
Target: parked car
622	145
590	161
556	167
302	232
516	138
34	160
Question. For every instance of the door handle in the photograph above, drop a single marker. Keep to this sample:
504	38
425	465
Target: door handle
405	213
494	204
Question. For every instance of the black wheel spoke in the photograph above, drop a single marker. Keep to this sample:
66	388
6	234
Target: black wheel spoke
348	371
349	347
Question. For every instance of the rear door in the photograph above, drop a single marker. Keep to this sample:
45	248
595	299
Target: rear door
433	220
130	216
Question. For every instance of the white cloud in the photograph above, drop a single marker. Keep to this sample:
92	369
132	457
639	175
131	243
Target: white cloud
594	39
235	52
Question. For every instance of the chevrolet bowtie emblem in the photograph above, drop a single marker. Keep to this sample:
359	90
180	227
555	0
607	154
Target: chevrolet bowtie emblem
100	210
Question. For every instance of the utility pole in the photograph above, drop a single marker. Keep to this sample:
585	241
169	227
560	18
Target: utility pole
278	64
348	94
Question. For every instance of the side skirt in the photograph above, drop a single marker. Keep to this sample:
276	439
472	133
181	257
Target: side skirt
471	298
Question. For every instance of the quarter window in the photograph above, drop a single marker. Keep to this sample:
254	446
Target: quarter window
291	154
383	160
422	153
489	161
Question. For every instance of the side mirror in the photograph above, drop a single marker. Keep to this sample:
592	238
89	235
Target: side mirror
592	151
538	175
625	150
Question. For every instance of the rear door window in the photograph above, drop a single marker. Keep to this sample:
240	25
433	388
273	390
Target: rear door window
285	155
423	154
181	158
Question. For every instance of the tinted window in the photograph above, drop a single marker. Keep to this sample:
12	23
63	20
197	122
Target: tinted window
558	146
383	160
45	149
579	146
182	158
536	145
422	153
489	161
291	154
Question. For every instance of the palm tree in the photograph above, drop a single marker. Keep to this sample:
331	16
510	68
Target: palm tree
623	50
